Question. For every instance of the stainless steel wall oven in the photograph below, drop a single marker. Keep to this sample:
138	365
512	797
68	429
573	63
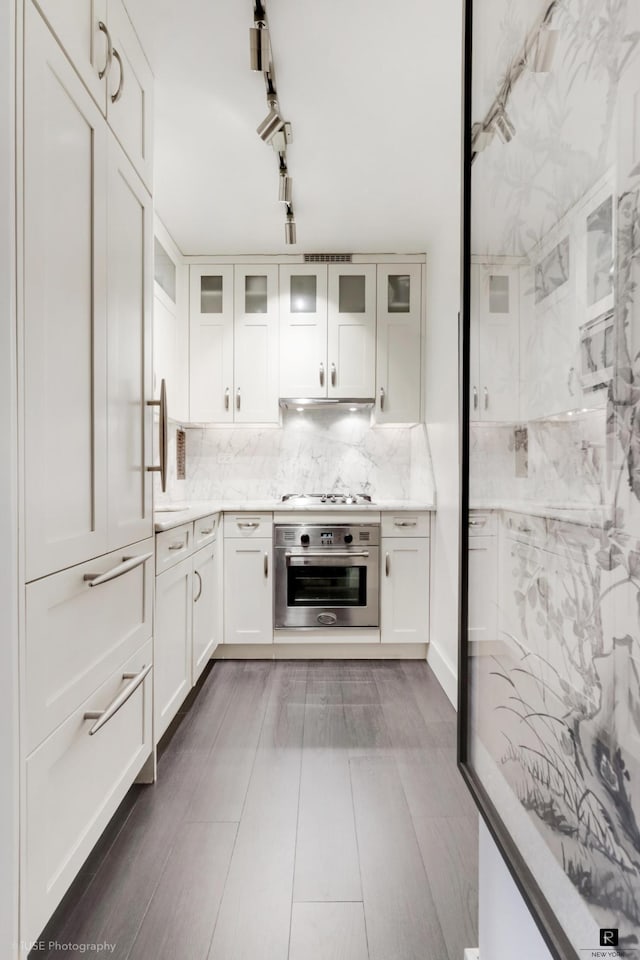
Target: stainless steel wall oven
327	575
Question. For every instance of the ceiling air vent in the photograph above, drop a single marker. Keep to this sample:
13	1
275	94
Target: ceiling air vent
328	257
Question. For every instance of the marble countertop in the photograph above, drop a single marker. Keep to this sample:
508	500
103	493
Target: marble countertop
171	515
567	512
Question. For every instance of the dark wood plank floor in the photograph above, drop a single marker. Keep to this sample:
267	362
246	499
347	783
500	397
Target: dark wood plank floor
303	811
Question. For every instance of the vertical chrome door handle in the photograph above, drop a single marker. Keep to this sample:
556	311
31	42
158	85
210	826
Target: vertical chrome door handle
164	438
382	398
322	374
199	594
116	96
226	398
387	564
107	64
475	398
334	374
486	399
266	564
238	398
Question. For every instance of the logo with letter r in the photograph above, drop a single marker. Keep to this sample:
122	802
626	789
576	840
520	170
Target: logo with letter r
608	938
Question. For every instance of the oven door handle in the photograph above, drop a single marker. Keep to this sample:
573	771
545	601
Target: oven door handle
328	555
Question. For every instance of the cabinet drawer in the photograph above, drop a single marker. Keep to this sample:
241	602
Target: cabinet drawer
76	635
205	530
405	524
248	524
74	783
482	523
172	546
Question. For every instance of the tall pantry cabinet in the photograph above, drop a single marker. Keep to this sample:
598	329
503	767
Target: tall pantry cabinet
85	211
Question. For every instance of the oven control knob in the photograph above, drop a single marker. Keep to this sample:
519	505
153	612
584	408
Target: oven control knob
348	538
304	539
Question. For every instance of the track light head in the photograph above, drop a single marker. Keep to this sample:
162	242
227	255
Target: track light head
271	125
503	126
481	137
285	192
540	58
260	47
290	226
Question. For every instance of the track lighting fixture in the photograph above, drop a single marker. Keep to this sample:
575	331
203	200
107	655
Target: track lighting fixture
290	226
503	126
481	137
272	123
286	188
543	50
260	47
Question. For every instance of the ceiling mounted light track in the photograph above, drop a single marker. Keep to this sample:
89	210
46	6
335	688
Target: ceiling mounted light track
537	55
274	129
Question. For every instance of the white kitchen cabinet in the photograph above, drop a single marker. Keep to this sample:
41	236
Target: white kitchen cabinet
495	339
171	324
129	365
327	330
483	590
172	643
65	310
398	351
76	25
404	589
255	347
207	606
234	344
248	590
74	783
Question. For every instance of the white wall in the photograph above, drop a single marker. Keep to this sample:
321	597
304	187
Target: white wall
506	927
8	498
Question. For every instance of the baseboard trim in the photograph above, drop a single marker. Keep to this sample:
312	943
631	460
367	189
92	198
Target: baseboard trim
445	673
321	651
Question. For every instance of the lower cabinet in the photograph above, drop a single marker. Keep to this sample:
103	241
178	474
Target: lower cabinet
188	612
404	590
74	782
248	590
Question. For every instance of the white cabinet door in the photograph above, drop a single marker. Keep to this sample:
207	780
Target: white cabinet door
130	93
351	343
248	591
129	325
404	590
399	305
207	601
76	26
498	342
303	331
211	344
172	643
65	229
256	344
483	595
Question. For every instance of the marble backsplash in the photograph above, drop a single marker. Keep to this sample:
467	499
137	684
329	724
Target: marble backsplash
318	451
556	460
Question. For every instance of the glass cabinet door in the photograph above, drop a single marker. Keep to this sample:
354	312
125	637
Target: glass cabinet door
398	343
255	325
211	344
303	330
352	330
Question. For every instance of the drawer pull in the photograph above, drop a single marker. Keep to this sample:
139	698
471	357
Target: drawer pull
249	526
477	523
128	563
405	523
177	546
103	716
205	533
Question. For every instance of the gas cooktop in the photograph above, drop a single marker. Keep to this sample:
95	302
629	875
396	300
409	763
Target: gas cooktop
328	499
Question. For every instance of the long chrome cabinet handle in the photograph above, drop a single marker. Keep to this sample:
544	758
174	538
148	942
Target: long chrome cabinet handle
382	398
238	401
486	399
387	564
199	594
475	398
103	716
334	374
164	436
226	398
266	564
328	554
405	523
116	96
322	374
128	563
107	65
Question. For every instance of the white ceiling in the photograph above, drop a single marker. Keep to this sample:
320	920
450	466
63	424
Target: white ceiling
372	90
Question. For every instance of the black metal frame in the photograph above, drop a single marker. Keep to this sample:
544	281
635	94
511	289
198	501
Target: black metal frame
541	911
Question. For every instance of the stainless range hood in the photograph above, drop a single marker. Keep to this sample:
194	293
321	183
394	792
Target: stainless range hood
312	403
